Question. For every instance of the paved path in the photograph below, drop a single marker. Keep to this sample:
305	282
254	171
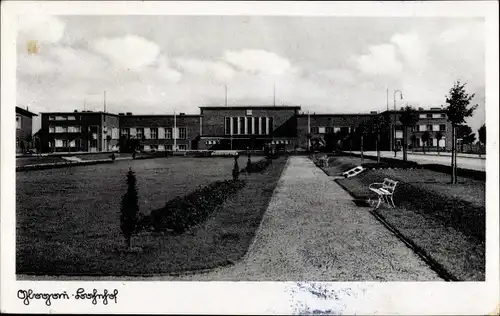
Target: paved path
467	162
312	231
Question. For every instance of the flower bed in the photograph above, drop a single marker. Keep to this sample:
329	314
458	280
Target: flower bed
181	213
258	166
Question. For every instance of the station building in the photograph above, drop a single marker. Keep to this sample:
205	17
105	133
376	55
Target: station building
227	127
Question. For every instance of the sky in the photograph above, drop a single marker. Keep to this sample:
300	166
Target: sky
162	64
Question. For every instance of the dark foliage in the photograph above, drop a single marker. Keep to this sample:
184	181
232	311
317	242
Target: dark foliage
129	208
258	166
482	134
181	213
236	169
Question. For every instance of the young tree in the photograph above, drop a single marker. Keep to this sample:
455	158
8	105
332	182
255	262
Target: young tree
28	138
129	209
439	135
408	117
482	137
457	111
413	139
482	134
379	124
425	139
361	131
108	140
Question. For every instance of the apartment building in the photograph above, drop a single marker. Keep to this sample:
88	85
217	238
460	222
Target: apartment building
84	131
24	126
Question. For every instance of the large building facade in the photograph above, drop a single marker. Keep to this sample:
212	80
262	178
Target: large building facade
230	127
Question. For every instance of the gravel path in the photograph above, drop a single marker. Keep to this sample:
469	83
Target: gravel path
312	231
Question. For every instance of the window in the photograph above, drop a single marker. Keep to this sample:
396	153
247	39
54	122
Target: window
52	118
168	132
74	129
51	129
422	116
321	130
140	132
429	128
271	124
442	127
421	128
227	127
436	115
249	125
154	133
263	125
65	143
344	130
168	147
126	132
314	130
249	112
256	125
329	130
58	143
235	125
442	115
242	125
182	133
182	147
18	121
60	118
429	115
61	129
114	133
71	118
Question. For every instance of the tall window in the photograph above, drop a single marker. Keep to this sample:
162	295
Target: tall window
140	132
271	124
235	125
18	122
329	130
256	125
181	147
314	129
249	125
344	130
168	133
242	125
154	133
182	133
227	126
263	125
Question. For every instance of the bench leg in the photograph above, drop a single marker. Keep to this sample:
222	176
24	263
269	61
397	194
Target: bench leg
379	201
392	201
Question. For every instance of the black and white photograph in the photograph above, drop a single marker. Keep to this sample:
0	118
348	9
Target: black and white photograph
188	150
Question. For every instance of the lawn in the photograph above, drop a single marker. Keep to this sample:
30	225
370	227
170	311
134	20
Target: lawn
68	219
445	221
24	161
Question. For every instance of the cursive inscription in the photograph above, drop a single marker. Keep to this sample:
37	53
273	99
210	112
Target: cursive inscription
93	296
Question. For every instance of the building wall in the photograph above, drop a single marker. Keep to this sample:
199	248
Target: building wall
23	129
326	120
283	129
191	124
89	137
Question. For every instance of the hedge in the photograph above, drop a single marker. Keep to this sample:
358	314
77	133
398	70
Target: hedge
258	166
181	213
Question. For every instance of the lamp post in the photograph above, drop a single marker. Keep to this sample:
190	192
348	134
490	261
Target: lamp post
394	125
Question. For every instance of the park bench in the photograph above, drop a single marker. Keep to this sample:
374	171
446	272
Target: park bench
384	191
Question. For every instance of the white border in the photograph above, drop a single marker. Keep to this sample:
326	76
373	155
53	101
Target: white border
251	297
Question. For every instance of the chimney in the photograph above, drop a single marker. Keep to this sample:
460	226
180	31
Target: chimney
129	113
373	112
121	113
76	111
182	114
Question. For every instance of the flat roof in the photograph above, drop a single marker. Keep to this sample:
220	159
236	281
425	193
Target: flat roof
338	114
160	115
24	112
251	107
79	112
